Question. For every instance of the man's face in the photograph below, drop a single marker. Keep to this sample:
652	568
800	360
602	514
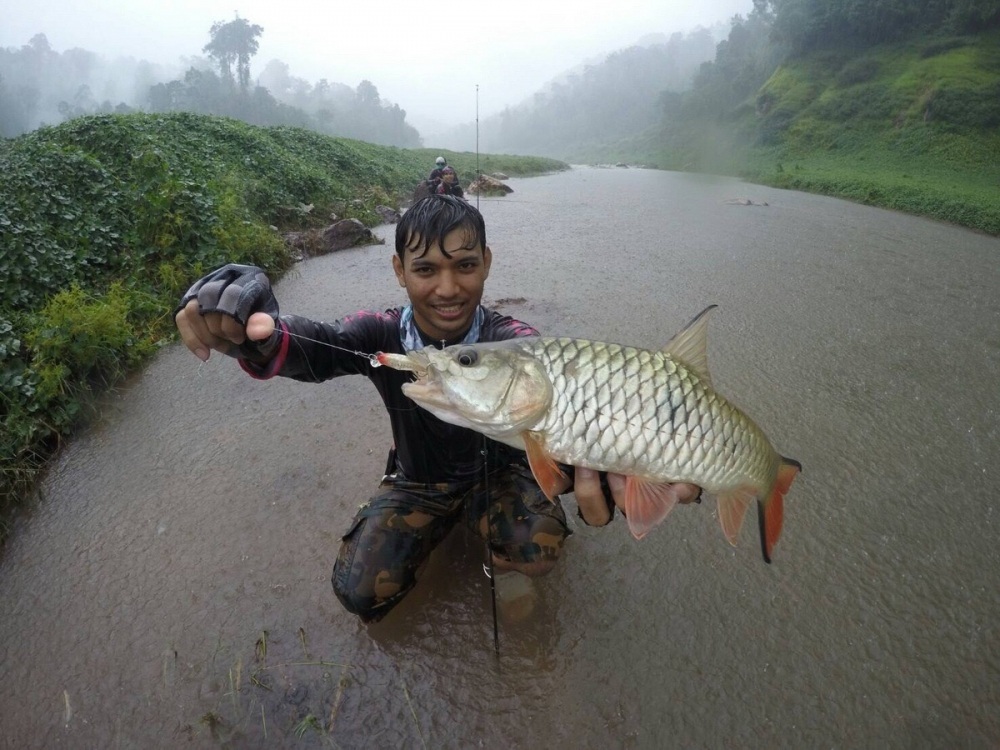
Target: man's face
448	177
444	291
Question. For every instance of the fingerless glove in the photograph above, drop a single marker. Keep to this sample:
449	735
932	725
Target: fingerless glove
238	291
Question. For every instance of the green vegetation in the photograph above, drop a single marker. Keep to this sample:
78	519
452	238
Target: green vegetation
40	86
913	126
106	220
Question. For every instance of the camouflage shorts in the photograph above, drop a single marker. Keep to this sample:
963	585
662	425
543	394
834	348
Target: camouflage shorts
393	535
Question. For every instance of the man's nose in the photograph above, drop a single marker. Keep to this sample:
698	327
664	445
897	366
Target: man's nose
447	284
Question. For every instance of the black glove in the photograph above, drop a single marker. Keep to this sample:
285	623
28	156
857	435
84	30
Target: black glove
234	290
237	291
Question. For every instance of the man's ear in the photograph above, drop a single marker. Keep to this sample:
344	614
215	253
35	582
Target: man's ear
487	260
397	268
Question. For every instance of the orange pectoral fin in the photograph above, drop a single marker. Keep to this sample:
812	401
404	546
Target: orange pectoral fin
771	512
547	473
647	503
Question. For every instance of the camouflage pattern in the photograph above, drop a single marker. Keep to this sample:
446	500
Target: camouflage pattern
392	536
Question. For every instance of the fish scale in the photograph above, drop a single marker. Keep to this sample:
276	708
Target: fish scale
658	422
651	416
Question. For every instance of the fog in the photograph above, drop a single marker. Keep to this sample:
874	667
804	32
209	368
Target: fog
441	63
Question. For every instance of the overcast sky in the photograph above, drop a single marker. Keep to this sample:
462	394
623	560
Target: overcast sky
427	57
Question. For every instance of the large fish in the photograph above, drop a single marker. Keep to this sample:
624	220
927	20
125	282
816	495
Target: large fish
652	416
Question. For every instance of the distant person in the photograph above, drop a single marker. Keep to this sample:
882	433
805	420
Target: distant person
435	177
449	184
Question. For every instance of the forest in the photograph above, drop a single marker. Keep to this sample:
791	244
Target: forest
39	86
891	103
596	103
657	105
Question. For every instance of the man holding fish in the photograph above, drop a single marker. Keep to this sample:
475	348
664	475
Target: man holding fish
436	476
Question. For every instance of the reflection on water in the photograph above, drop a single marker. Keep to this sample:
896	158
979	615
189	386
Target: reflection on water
172	586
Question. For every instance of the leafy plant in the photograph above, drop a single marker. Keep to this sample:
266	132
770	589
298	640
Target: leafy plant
106	220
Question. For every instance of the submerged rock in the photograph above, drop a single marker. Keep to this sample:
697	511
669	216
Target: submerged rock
486	185
347	233
388	215
337	236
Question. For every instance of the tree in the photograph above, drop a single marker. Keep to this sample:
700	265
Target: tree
368	94
234	42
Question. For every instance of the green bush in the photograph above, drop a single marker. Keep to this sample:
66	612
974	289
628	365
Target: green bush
76	346
62	220
105	221
959	108
858	71
871	101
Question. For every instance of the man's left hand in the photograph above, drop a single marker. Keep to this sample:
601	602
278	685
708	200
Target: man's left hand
592	503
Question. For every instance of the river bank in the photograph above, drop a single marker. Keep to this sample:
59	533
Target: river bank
107	220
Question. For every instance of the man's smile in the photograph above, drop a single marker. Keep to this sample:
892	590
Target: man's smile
452	310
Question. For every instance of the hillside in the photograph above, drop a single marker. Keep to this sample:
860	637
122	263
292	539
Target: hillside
106	220
913	126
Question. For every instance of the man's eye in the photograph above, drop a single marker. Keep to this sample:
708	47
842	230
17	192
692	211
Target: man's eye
467	357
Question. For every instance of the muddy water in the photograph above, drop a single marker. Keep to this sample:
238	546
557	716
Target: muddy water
171	587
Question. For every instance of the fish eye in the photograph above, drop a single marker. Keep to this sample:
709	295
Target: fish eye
467	357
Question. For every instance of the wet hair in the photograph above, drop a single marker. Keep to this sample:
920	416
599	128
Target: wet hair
428	221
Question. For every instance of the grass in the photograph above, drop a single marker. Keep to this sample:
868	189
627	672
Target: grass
913	127
106	220
917	184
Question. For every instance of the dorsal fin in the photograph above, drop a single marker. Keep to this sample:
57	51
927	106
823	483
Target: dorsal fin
690	346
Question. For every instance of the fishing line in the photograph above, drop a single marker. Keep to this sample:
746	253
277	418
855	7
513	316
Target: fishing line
372	358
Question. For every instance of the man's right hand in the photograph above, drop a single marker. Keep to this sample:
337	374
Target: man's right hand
225	308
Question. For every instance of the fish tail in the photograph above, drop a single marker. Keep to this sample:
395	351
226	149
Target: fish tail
770	510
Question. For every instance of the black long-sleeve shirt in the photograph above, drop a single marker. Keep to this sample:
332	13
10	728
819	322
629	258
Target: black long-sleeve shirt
427	449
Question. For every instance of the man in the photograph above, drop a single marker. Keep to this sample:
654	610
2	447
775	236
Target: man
435	474
435	176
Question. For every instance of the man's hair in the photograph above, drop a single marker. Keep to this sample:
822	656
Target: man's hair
428	221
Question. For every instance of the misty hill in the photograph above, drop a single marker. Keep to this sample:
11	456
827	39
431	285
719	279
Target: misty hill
599	101
40	86
893	104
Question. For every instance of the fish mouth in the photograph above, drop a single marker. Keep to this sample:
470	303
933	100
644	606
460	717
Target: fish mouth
427	389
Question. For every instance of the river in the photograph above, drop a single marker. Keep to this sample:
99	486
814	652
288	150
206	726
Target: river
171	586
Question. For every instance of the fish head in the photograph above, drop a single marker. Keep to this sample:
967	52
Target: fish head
498	389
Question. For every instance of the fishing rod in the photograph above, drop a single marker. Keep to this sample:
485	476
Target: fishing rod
488	565
479	173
